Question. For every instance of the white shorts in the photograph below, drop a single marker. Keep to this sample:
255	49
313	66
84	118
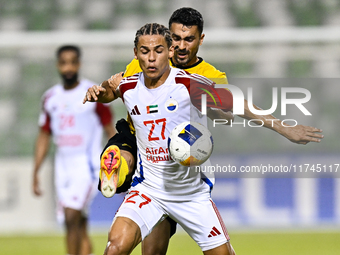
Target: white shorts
76	183
199	218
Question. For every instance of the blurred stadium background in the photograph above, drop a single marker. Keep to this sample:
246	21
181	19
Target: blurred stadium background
261	43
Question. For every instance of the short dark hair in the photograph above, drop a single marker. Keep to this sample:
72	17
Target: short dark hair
74	48
154	29
188	17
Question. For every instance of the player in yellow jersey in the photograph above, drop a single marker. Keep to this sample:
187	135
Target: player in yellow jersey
186	26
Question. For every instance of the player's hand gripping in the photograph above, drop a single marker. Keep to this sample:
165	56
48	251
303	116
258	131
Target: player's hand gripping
101	93
301	134
94	93
114	81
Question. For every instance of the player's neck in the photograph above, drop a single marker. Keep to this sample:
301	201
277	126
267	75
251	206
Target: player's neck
152	83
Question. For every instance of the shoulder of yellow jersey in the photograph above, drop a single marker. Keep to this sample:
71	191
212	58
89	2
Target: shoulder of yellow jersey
209	71
132	68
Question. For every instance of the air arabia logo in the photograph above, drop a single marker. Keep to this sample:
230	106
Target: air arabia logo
238	104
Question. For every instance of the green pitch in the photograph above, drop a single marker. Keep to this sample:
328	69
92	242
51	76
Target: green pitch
264	243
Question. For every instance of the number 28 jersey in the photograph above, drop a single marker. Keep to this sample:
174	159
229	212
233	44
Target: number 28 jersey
155	112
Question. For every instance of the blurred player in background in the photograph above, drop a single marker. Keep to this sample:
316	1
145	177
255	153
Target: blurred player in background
186	26
77	133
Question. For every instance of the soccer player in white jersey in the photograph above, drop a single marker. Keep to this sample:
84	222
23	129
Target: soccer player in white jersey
164	188
77	133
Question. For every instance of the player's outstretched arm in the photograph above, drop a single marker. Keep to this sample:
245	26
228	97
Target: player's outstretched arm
299	134
102	94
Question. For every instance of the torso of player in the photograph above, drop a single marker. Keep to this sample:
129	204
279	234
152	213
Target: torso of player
201	67
74	125
155	112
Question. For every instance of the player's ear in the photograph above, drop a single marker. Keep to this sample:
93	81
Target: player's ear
201	39
171	51
135	52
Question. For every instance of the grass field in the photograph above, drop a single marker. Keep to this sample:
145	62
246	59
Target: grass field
264	243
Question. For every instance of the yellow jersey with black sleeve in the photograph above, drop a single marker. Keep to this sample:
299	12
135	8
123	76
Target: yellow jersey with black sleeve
200	67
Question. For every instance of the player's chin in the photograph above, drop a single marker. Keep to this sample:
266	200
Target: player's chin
152	74
181	61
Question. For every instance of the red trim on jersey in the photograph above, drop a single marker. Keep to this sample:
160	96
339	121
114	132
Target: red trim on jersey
47	125
185	81
224	228
104	113
221	98
125	85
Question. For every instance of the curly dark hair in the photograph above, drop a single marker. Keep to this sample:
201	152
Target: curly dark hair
154	29
188	17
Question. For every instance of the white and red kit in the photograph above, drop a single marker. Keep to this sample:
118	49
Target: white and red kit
161	187
77	130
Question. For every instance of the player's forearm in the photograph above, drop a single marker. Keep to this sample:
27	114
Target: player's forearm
41	149
268	121
107	96
299	134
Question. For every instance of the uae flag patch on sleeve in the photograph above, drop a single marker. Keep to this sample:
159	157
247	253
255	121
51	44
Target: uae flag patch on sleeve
152	109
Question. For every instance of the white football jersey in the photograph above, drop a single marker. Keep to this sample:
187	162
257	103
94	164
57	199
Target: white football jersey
155	112
76	127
